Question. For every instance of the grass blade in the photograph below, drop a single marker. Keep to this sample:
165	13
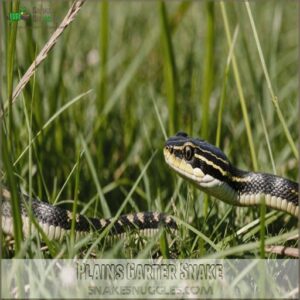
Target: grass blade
12	185
267	139
224	86
273	97
240	89
54	117
74	210
103	202
208	73
10	58
104	18
170	73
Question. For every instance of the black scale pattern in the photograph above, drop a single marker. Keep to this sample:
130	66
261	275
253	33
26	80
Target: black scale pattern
59	217
267	184
140	221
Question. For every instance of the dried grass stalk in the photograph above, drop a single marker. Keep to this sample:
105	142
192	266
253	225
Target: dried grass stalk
282	250
70	16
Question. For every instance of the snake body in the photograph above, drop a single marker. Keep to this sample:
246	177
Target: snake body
56	222
194	159
210	170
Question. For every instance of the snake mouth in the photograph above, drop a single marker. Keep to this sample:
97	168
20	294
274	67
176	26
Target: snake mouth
182	167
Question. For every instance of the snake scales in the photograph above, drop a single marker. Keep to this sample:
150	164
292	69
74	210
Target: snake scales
195	160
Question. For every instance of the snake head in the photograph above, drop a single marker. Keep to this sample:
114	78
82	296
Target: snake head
196	160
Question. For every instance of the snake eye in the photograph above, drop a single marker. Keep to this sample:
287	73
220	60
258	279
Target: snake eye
188	153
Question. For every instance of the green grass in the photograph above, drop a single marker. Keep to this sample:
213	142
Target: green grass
88	129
